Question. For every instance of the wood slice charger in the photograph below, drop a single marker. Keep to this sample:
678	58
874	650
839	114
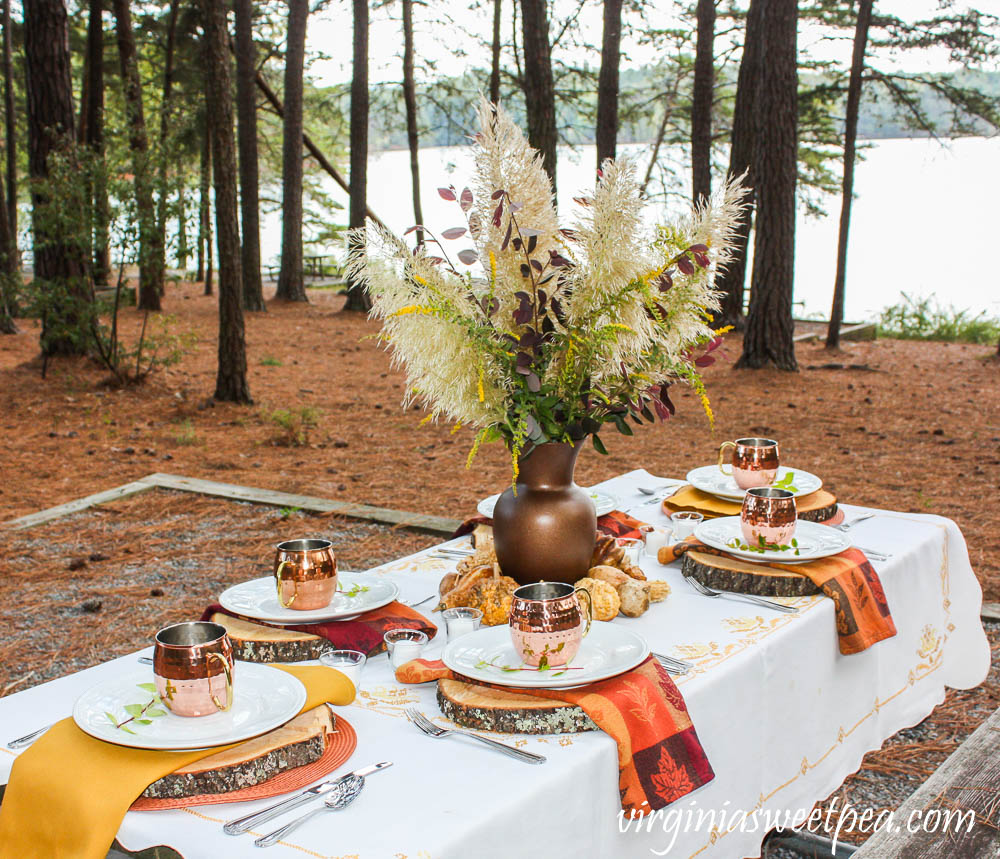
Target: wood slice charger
732	574
259	768
486	709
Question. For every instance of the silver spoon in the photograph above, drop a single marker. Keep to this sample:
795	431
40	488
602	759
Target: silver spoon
348	792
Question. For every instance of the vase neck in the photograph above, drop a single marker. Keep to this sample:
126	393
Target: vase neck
548	466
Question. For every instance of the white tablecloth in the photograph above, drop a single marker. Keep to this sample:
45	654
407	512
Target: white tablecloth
783	717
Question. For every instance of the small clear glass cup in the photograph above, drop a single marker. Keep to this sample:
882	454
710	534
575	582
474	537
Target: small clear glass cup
347	662
404	645
655	539
683	523
633	547
460	621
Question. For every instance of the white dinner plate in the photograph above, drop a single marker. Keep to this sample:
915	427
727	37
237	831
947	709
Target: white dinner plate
263	698
258	600
814	541
709	479
609	649
604	503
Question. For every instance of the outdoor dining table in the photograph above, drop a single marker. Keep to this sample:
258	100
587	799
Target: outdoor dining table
783	716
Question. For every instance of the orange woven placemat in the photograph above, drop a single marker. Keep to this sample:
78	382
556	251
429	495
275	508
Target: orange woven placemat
342	743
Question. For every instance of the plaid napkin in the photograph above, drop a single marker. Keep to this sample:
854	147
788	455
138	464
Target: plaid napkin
689	498
363	633
615	523
863	616
660	758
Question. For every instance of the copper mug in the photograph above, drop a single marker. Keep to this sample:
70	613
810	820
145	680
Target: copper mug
755	461
768	513
193	668
305	574
547	623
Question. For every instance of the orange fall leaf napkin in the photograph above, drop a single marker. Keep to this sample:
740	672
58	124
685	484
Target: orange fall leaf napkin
660	758
848	578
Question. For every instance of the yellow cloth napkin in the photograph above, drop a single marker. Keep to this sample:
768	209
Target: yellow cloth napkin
689	498
68	792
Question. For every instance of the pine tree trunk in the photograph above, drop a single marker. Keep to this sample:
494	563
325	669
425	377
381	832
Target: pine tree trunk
731	282
539	89
291	282
59	259
163	184
231	381
10	121
357	295
8	270
205	201
770	330
495	52
92	136
410	99
183	251
850	142
246	112
607	82
150	253
701	103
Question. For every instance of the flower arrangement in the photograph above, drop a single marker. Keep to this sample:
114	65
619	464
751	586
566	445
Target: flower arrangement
564	330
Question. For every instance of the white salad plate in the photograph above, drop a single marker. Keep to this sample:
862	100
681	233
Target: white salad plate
709	479
263	698
604	503
486	654
356	593
813	541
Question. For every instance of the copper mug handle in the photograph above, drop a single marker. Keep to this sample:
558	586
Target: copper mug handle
590	608
229	682
277	576
722	456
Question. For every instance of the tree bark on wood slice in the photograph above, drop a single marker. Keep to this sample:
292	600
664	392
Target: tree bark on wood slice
297	743
820	514
731	574
486	709
254	642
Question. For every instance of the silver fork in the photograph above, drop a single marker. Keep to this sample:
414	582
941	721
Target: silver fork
846	526
421	602
708	592
674	666
432	730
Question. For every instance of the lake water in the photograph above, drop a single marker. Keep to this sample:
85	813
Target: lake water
923	218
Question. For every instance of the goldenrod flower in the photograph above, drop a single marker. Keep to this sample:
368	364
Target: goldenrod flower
707	406
482	391
426	420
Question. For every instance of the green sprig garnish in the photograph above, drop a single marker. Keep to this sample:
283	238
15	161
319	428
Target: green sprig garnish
140	714
763	546
786	482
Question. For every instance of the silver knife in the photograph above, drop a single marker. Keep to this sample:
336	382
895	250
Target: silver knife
242	824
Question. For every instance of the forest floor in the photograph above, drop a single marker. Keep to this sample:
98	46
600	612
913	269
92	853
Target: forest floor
909	426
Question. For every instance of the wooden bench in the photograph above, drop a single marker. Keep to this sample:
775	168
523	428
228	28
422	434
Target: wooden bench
969	781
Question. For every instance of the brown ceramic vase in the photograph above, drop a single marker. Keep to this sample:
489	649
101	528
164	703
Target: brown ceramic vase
547	531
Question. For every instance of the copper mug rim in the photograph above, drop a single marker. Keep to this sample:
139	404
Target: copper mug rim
756	441
179	629
567	590
304	545
770	492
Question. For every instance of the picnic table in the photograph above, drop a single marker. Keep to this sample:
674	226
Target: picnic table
783	716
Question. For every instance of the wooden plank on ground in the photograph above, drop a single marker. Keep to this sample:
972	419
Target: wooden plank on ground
416	521
990	611
79	504
968	781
